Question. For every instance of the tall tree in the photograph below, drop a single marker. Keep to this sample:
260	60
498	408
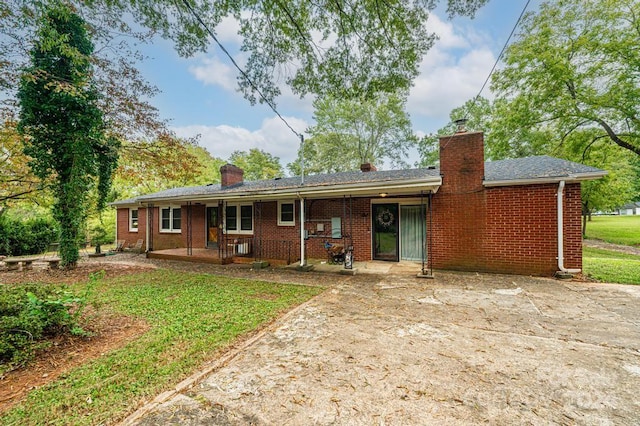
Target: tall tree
575	67
350	132
63	125
124	93
257	164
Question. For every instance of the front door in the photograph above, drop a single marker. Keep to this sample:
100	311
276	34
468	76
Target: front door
385	231
213	221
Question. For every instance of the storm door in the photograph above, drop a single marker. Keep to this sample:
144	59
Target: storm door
385	231
213	221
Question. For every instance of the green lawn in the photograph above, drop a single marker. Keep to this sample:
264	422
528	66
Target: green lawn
610	266
192	316
615	229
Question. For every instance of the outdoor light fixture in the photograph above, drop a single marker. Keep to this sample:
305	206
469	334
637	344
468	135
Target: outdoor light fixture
383	194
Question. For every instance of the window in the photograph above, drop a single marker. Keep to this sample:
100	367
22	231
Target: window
133	220
170	219
239	219
286	213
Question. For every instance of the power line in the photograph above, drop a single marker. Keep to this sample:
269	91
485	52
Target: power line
504	47
495	64
244	74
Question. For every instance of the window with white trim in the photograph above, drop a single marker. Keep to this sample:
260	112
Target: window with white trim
170	219
286	213
238	218
133	220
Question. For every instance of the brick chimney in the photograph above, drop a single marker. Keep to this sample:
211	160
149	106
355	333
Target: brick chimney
231	175
462	162
368	167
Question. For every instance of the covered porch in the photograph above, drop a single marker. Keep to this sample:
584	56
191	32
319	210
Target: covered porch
235	250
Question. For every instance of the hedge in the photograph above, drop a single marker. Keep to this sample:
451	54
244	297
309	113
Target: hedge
20	238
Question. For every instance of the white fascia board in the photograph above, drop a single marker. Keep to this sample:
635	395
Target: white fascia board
325	191
539	181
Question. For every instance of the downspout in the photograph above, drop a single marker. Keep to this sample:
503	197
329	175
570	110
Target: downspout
302	258
561	266
147	228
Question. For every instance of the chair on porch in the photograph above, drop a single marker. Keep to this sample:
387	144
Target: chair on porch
137	248
119	245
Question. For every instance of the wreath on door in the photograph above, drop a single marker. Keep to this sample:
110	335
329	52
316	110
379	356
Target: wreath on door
385	218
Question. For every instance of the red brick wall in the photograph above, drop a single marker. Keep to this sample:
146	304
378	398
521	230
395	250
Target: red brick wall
316	212
122	223
198	224
505	229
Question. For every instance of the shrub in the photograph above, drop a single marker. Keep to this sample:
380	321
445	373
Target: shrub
19	238
29	314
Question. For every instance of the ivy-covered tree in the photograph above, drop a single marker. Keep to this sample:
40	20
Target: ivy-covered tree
64	129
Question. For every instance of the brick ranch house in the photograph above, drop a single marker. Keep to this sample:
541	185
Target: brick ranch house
517	216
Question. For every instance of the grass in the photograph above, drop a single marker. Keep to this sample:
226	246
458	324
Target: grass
192	316
623	230
610	266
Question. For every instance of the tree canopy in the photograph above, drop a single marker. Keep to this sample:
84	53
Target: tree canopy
575	67
63	125
257	164
342	48
350	132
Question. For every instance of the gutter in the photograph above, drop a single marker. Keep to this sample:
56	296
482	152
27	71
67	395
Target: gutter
561	266
539	181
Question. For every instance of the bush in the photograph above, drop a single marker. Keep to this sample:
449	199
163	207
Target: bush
19	238
29	314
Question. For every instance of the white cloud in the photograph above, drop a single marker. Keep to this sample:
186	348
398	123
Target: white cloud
452	72
227	30
211	71
273	137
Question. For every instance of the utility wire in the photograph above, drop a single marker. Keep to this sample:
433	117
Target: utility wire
244	74
495	64
504	47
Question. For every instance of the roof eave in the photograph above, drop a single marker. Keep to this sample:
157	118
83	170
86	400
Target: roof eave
578	177
395	187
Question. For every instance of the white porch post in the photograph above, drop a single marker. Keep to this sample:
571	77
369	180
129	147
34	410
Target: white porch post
302	259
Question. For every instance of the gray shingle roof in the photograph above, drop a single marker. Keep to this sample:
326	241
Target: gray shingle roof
529	168
538	167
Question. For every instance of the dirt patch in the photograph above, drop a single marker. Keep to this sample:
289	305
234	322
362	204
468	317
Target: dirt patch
107	332
613	247
41	274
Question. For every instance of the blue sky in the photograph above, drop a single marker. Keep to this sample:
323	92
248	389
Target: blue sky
198	95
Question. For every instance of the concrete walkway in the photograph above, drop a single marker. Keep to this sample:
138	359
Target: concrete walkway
391	349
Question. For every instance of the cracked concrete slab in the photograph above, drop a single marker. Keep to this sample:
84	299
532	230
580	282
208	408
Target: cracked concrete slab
459	349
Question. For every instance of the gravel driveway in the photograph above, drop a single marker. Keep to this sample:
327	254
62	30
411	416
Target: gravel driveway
460	349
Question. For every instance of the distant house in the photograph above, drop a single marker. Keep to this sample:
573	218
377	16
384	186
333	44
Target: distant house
630	209
511	216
